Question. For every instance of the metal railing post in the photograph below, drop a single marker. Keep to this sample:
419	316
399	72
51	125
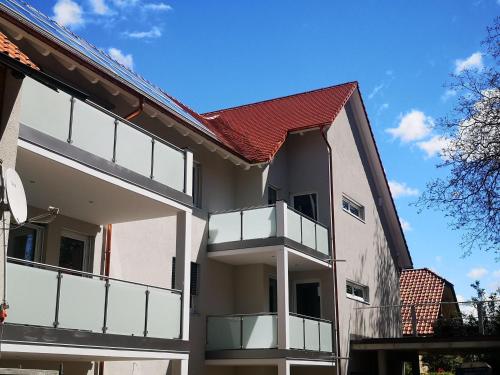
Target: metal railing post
115	133
70	129
319	337
304	332
413	320
301	235
151	175
58	297
241	225
146	314
241	332
106	295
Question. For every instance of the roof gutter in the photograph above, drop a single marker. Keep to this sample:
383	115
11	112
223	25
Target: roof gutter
137	112
333	246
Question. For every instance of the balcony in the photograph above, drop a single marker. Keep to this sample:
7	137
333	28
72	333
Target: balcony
267	226
260	331
95	137
57	306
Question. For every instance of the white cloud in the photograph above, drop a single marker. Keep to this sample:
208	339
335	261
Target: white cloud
68	13
434	146
413	126
400	189
474	61
155	32
405	225
375	90
477	273
122	58
99	7
125	3
466	308
449	93
159	7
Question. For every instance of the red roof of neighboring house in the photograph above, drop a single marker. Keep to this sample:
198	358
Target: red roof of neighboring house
10	49
425	289
257	130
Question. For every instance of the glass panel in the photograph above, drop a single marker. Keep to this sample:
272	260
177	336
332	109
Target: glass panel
32	295
164	314
93	130
311	334
259	223
224	227
123	298
296	332
293	226
81	304
133	149
308	235
325	330
168	166
45	109
260	332
223	333
322	239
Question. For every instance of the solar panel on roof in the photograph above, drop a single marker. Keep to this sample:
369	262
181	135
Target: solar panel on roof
40	22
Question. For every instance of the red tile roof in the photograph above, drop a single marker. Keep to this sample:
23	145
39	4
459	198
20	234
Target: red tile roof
425	289
257	131
10	49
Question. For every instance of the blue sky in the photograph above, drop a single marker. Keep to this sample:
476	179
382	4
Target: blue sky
215	54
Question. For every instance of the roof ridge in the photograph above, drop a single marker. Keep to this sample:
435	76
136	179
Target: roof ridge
279	98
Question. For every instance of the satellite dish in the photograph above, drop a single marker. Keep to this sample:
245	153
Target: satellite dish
16	198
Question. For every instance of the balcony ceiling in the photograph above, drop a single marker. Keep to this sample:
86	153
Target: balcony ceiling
80	195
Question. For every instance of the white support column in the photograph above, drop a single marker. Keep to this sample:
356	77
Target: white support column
183	266
188	177
180	367
281	222
283	367
283	299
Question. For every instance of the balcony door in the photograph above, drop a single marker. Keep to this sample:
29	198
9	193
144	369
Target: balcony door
308	299
25	242
74	251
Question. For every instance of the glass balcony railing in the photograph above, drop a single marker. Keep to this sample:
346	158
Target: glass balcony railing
308	333
48	296
259	331
256	331
263	222
102	133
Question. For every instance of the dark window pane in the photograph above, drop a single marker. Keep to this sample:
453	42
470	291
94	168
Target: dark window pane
71	253
272	195
345	205
348	289
306	204
197	185
22	243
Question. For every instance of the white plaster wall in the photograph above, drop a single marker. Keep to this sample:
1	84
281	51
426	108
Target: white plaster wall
362	244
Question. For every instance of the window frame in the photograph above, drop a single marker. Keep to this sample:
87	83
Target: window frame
354	285
357	205
306	193
275	189
88	248
41	233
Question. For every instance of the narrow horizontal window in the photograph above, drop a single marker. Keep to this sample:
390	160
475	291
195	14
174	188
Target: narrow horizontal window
357	291
353	208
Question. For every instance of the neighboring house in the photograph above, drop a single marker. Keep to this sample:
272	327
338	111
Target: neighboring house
234	242
431	296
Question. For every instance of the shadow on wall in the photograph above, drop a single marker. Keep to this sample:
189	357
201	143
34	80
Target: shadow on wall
384	321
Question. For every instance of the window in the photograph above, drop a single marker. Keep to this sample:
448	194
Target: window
272	195
273	295
197	184
353	208
74	251
195	282
26	242
357	291
307	204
